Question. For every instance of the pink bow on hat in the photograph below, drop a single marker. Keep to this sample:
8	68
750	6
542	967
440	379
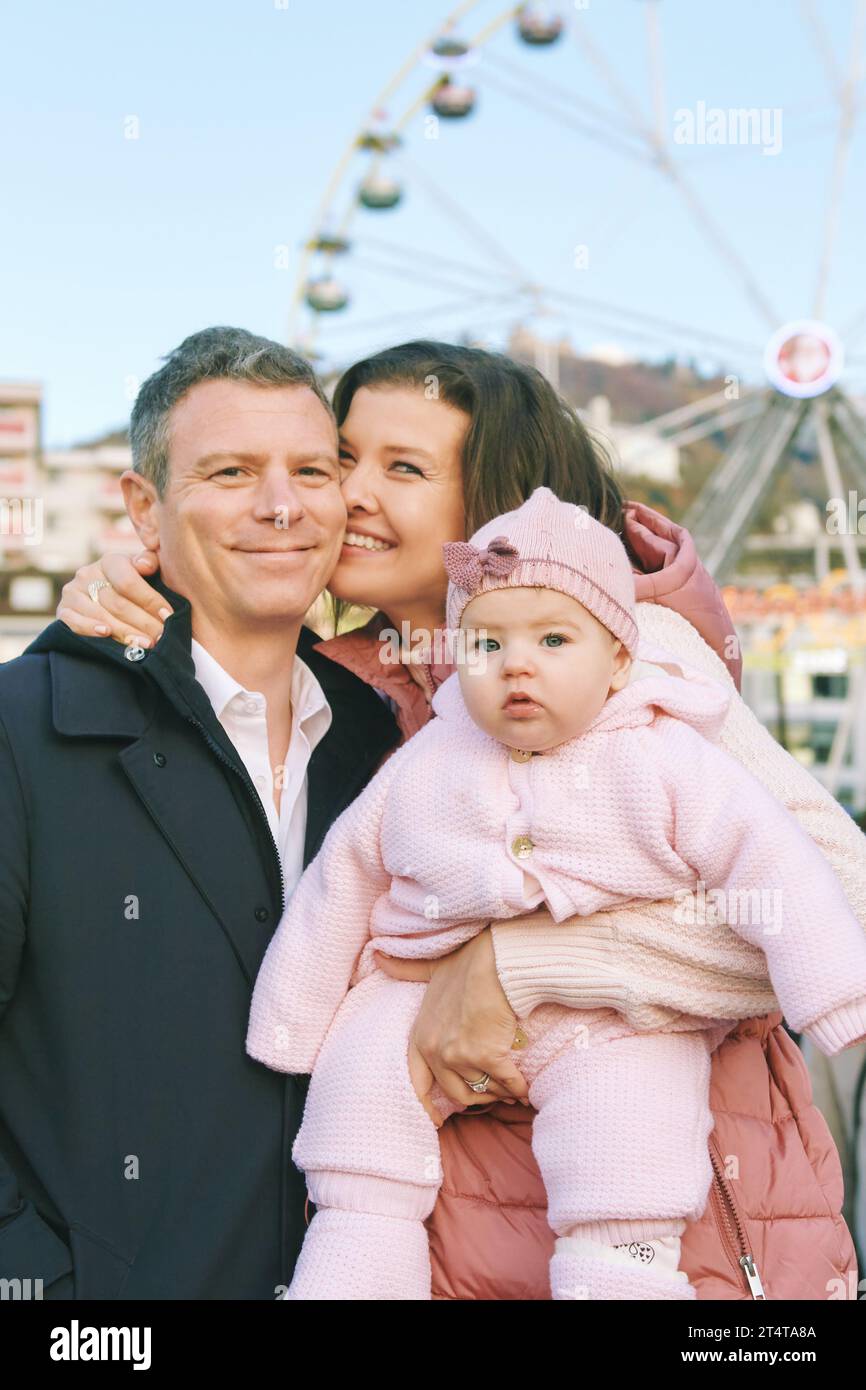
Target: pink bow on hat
466	564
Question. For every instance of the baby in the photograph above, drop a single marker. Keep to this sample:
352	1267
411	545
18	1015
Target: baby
548	778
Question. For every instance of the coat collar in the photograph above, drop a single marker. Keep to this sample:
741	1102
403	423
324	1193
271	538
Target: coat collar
100	707
88	700
362	732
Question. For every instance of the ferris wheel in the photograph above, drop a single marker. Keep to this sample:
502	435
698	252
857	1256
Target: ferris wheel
450	80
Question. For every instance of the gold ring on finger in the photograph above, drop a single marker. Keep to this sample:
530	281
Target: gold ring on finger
481	1084
94	587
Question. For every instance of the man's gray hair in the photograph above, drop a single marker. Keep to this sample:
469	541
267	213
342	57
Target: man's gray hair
214	354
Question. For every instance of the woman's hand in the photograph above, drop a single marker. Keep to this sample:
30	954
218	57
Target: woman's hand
131	611
465	1026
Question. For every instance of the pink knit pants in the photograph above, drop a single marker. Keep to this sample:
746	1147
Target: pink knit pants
620	1139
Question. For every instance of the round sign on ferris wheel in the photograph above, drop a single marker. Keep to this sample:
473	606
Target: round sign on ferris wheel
804	358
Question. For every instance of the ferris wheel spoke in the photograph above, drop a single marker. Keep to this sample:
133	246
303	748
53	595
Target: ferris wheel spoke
717	420
520	72
700	214
418	273
632	333
685	414
853	332
559	100
657	82
528	300
412	317
835	488
665	326
620	93
463	219
850	432
756	476
815	25
849	420
847	117
724	249
393	248
720	420
853	411
547	107
701	518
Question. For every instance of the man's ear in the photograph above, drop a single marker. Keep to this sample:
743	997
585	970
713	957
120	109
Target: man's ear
141	500
621	667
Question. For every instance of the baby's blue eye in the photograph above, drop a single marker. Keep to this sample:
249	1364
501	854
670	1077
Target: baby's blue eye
555	639
486	644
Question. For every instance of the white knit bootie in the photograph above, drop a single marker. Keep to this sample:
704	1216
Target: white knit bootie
576	1273
352	1255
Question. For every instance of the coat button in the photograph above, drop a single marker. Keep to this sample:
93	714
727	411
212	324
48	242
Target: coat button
159	759
262	914
135	653
522	847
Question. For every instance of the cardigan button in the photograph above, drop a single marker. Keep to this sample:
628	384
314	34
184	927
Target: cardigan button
135	653
159	759
519	755
262	914
522	847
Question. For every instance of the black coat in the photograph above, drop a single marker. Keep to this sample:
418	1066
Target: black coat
141	1148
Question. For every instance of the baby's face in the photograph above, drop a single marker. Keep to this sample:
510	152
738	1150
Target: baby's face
548	666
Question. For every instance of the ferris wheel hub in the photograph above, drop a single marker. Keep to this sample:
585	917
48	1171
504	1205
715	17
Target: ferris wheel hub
804	358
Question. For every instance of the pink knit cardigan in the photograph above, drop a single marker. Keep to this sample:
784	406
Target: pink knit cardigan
640	806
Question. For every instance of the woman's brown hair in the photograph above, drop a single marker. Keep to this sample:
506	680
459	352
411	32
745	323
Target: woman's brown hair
522	434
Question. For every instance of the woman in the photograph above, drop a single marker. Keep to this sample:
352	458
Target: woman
436	440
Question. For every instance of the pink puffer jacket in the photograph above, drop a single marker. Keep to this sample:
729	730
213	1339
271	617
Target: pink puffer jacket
488	1234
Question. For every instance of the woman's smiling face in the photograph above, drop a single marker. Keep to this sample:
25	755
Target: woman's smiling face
400	458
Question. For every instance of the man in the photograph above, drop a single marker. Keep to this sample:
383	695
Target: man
147	847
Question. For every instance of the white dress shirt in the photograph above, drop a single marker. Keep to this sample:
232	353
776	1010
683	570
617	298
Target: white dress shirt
243	715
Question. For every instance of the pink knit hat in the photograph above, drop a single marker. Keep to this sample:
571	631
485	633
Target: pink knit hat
547	544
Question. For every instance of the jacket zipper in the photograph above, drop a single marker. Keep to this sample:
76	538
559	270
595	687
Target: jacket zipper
428	676
736	1238
246	781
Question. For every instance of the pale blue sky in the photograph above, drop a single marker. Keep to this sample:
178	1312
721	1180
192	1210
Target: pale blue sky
112	250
